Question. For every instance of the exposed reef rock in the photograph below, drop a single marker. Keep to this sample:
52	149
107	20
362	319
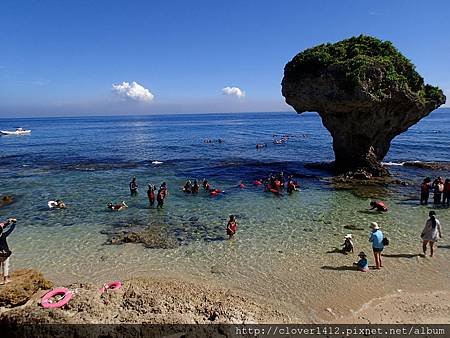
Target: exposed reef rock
143	300
366	93
151	237
428	165
24	284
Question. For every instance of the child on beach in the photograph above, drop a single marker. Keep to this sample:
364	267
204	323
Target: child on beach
347	245
362	264
231	226
5	253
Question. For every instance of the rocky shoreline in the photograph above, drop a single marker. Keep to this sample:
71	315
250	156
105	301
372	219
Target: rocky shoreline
140	300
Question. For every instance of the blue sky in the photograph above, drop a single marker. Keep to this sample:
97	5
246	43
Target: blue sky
63	57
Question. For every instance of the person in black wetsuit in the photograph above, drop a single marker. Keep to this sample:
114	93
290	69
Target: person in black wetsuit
5	253
133	187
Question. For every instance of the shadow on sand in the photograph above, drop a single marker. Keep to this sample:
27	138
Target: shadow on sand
402	255
340	268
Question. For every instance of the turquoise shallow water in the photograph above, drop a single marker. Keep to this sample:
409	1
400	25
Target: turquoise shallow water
89	161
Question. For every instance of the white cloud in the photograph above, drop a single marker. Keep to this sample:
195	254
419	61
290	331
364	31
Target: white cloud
134	92
233	91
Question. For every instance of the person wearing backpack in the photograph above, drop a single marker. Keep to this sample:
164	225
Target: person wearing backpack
377	239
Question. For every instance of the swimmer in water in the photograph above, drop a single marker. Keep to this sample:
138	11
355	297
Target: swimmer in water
195	187
117	207
187	187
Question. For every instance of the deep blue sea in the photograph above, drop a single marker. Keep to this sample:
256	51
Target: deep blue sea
89	161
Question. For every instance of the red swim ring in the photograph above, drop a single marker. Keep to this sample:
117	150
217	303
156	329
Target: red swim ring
275	191
242	185
257	182
64	292
111	286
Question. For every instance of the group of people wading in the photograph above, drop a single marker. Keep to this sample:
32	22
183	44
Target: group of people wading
440	189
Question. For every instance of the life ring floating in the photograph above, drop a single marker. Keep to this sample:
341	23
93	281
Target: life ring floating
111	286
64	292
257	182
242	185
52	204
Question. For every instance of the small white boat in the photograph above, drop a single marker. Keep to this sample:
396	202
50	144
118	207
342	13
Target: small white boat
18	131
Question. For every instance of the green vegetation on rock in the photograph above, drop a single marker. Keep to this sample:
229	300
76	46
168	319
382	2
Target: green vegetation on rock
365	62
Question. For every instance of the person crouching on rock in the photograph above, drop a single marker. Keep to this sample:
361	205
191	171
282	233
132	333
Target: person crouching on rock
362	264
347	245
379	205
231	227
5	253
117	207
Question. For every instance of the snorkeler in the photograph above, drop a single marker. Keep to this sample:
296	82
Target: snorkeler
117	207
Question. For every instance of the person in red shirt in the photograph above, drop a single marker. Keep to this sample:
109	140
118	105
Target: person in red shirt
379	205
231	227
446	199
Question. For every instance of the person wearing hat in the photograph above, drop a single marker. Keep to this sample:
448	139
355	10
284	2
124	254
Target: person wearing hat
376	237
347	245
362	264
5	253
431	233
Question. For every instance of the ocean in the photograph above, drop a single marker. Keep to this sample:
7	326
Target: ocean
89	161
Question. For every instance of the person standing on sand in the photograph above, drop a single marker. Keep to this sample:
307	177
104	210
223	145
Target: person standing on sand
425	191
376	237
133	187
231	227
5	253
431	233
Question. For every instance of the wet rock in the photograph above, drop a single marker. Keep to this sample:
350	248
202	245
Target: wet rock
152	237
24	284
428	165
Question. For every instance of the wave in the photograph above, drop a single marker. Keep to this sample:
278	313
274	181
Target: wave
392	164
